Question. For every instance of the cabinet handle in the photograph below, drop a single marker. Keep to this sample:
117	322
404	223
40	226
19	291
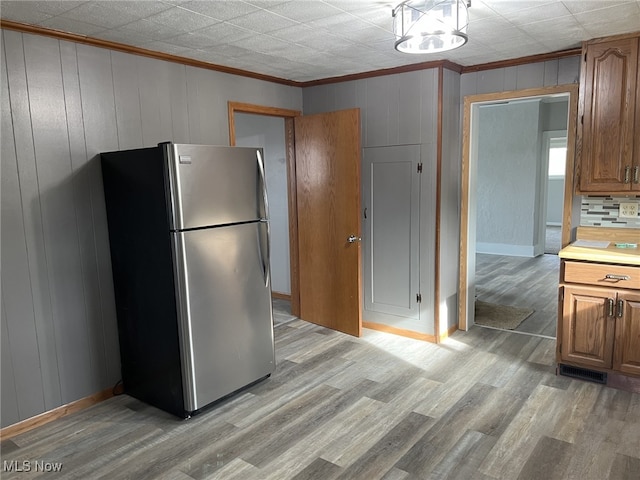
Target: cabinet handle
636	174
619	308
611	303
617	278
627	174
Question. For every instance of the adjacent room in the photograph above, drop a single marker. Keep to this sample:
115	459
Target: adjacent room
519	192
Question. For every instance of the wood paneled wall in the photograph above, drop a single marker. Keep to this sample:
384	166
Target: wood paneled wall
561	71
398	109
449	253
62	104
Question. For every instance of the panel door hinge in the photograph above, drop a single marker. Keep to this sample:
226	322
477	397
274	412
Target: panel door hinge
581	119
585	56
419	297
420	168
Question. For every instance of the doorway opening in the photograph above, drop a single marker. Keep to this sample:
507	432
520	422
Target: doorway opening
322	158
554	144
479	209
272	129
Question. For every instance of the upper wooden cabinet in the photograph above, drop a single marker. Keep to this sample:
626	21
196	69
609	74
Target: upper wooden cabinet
608	153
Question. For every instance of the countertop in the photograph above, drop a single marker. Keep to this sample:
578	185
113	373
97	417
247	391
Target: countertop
610	254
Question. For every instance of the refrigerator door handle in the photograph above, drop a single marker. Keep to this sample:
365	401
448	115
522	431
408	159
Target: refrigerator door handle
185	333
263	210
264	213
265	253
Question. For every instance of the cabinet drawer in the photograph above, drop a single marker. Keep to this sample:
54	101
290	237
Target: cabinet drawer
602	274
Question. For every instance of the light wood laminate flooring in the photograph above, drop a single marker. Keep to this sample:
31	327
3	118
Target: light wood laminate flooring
553	239
485	404
522	282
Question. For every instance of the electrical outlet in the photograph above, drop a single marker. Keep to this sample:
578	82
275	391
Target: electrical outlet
628	210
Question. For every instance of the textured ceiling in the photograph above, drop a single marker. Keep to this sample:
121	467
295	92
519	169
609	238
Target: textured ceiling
304	40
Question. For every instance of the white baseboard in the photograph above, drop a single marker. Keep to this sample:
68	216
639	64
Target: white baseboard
505	249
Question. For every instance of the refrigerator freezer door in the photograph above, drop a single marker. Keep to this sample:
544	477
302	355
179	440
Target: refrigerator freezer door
225	318
214	185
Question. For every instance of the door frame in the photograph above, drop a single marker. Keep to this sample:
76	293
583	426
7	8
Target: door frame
547	139
288	116
469	164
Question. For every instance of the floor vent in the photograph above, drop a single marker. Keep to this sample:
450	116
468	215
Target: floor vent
583	374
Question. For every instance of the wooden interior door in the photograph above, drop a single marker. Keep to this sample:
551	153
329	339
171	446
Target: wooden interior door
328	195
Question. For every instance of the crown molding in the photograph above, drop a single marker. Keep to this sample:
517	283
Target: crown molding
121	47
387	71
542	57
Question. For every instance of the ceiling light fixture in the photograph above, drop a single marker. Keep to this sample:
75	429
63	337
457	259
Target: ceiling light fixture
430	26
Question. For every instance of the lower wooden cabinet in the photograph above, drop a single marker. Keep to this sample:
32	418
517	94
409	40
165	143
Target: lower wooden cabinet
600	328
588	326
626	354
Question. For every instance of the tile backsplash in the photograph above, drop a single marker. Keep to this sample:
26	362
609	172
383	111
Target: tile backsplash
602	211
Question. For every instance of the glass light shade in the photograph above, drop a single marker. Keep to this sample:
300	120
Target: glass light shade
430	26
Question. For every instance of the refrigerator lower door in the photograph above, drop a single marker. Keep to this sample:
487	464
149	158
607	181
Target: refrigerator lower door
225	318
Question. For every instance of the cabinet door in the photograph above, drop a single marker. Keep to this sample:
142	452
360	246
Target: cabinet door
608	101
588	326
627	346
391	246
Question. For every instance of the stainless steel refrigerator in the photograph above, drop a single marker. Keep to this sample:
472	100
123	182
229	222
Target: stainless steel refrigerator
189	238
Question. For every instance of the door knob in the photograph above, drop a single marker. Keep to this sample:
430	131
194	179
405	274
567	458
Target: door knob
353	239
